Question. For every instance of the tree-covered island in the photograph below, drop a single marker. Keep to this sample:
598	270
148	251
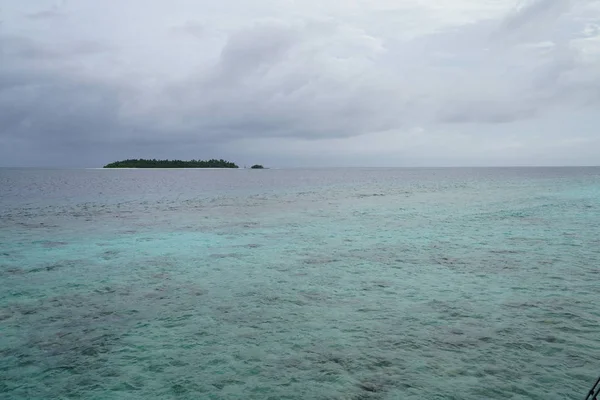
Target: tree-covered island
142	163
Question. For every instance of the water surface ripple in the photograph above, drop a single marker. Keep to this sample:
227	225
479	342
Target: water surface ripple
299	284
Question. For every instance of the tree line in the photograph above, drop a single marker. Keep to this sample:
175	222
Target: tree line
154	163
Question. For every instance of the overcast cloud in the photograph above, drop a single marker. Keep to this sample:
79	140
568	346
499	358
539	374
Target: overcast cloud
301	83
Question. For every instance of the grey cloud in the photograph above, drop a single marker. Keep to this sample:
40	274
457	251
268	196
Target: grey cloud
486	112
535	10
534	18
59	116
300	79
192	28
57	108
46	14
259	46
53	12
16	47
486	79
49	106
271	80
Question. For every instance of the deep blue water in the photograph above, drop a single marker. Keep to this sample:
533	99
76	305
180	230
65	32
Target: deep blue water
299	284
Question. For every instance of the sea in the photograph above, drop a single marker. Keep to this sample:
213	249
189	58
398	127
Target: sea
349	284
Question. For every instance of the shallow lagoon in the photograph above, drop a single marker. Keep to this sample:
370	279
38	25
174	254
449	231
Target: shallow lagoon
299	284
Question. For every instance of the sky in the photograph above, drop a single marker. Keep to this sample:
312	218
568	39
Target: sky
290	83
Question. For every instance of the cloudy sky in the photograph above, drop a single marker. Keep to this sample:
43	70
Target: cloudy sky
301	82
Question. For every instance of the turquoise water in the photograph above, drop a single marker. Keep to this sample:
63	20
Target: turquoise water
299	284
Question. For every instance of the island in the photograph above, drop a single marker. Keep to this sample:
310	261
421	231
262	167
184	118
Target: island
257	166
143	163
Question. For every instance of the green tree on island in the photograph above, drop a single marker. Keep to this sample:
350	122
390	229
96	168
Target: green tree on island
257	166
154	163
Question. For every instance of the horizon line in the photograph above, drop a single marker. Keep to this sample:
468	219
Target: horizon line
326	167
